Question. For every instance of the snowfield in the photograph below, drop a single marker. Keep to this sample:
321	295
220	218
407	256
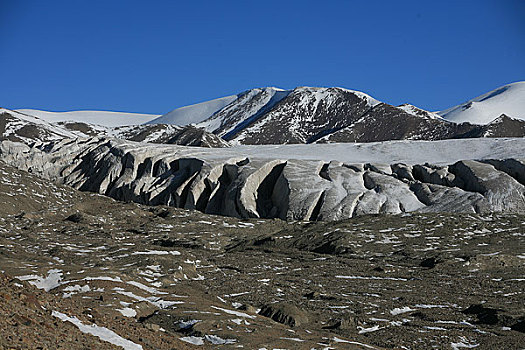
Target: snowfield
508	99
104	118
194	113
404	151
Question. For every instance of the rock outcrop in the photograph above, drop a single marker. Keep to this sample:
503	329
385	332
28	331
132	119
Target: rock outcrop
285	313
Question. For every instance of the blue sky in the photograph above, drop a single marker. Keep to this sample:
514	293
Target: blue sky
154	56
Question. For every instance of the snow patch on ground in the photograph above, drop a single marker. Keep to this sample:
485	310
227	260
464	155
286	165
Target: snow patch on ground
232	312
363	330
157	252
52	280
213	339
339	340
128	312
193	340
401	310
464	343
99	332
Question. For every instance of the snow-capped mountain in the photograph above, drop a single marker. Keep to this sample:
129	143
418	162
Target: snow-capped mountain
271	115
104	118
244	110
508	100
311	114
302	115
20	127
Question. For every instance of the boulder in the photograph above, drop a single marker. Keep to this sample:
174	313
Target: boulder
285	313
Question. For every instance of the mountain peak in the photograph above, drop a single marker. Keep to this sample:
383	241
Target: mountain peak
418	112
508	99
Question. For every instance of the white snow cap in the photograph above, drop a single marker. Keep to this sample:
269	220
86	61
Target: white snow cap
418	112
508	99
194	113
200	112
104	118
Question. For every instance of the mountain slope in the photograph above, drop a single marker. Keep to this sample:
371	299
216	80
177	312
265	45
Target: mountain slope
503	126
19	127
385	122
418	112
302	115
194	113
245	109
104	118
16	126
151	133
508	99
311	114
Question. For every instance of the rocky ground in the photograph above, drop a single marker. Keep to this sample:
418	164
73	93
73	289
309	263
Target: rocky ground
82	271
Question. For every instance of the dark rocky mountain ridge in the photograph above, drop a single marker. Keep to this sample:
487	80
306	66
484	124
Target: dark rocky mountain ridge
503	126
20	127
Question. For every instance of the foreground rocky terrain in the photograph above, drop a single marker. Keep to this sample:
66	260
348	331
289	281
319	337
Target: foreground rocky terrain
75	264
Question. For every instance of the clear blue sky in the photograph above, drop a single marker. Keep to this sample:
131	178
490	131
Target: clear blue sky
154	56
